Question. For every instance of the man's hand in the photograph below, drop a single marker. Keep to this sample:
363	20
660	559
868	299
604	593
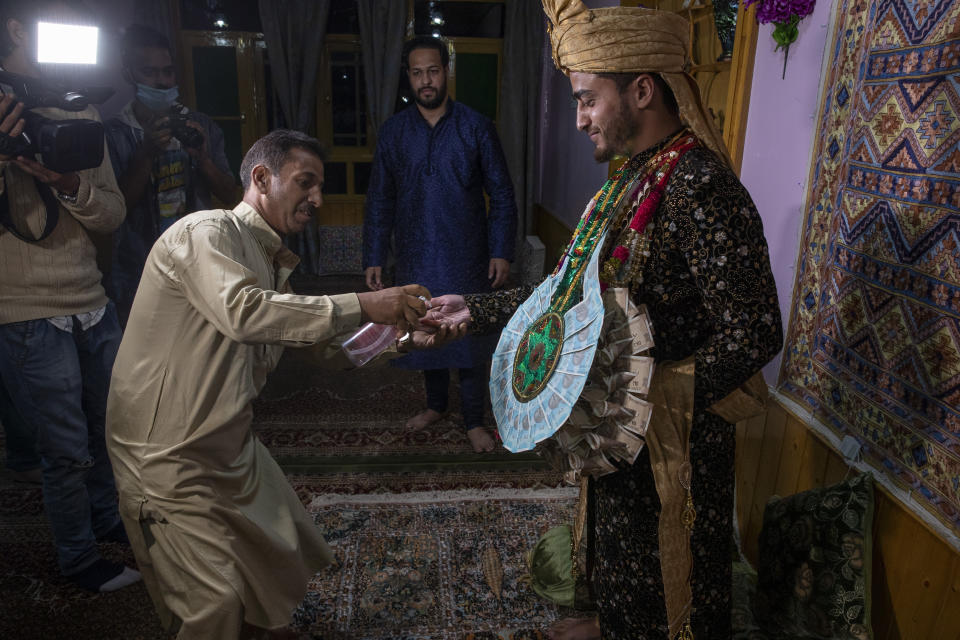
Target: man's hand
448	311
12	125
157	136
374	283
498	272
423	339
68	183
203	151
400	306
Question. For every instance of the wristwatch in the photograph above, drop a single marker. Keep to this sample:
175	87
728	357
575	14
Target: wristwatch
66	197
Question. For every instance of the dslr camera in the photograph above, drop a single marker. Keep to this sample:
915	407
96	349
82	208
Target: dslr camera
187	135
63	145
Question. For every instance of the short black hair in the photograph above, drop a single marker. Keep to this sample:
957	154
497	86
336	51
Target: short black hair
140	36
425	42
272	149
624	80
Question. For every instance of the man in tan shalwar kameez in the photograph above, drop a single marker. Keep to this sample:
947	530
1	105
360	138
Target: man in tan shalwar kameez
221	538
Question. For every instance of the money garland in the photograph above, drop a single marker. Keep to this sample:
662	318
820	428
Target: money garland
571	370
610	419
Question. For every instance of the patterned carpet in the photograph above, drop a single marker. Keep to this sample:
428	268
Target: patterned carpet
873	345
411	568
406	513
409	565
320	422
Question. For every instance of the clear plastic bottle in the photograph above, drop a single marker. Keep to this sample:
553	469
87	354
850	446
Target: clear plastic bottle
368	342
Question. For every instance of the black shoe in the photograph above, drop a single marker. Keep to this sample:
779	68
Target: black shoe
96	575
116	534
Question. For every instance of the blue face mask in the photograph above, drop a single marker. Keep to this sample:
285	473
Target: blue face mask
157	99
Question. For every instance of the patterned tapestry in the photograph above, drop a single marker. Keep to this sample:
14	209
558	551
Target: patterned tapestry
873	345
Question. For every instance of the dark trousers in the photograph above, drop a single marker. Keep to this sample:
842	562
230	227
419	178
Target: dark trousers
58	382
473	387
20	435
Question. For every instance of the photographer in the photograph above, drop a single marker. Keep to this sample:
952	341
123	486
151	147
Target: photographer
58	331
167	161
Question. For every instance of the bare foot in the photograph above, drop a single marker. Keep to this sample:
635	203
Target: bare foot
481	439
575	629
422	419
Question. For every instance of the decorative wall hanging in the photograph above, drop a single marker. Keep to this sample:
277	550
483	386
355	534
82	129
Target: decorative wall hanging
873	345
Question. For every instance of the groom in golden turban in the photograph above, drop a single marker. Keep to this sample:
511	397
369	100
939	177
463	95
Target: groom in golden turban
685	239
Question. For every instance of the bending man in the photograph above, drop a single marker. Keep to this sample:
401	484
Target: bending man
220	536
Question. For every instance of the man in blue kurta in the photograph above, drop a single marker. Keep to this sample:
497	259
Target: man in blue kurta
432	164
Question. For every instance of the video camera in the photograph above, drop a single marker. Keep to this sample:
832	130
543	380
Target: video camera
187	135
63	145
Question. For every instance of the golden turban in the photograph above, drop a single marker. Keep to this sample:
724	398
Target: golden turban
631	40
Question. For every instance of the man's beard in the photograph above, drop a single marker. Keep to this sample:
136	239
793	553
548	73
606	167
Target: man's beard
440	94
620	130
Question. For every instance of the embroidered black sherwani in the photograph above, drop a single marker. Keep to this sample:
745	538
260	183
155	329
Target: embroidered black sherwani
710	293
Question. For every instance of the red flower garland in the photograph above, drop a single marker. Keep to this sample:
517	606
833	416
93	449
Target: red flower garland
663	167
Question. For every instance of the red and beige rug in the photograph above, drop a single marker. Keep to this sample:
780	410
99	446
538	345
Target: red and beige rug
410	566
358	413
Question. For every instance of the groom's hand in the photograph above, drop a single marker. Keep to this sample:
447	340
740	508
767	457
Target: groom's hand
431	338
447	311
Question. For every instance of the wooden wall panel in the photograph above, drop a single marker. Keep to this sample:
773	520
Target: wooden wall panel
749	441
765	479
916	576
554	234
346	213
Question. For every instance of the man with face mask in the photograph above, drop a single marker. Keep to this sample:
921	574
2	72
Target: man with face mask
166	165
433	162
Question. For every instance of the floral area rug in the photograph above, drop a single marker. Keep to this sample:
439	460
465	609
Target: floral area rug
310	416
411	565
409	562
873	345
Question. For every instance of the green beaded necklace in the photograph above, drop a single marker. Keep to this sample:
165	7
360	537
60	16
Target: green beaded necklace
539	349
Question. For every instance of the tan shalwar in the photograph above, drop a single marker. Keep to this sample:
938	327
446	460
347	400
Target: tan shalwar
218	533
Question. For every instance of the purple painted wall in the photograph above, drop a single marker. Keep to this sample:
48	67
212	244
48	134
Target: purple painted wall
777	147
567	174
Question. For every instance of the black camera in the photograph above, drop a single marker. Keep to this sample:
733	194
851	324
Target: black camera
63	145
187	135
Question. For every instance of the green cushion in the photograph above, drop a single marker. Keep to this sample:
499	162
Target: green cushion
814	570
551	566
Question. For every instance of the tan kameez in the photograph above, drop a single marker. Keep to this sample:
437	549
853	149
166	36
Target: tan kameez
215	527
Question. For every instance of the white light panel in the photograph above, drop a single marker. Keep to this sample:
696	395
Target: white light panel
66	43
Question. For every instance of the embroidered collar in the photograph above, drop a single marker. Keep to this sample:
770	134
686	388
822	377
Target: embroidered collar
645	155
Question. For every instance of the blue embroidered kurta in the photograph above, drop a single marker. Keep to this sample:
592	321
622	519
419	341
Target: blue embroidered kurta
426	191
